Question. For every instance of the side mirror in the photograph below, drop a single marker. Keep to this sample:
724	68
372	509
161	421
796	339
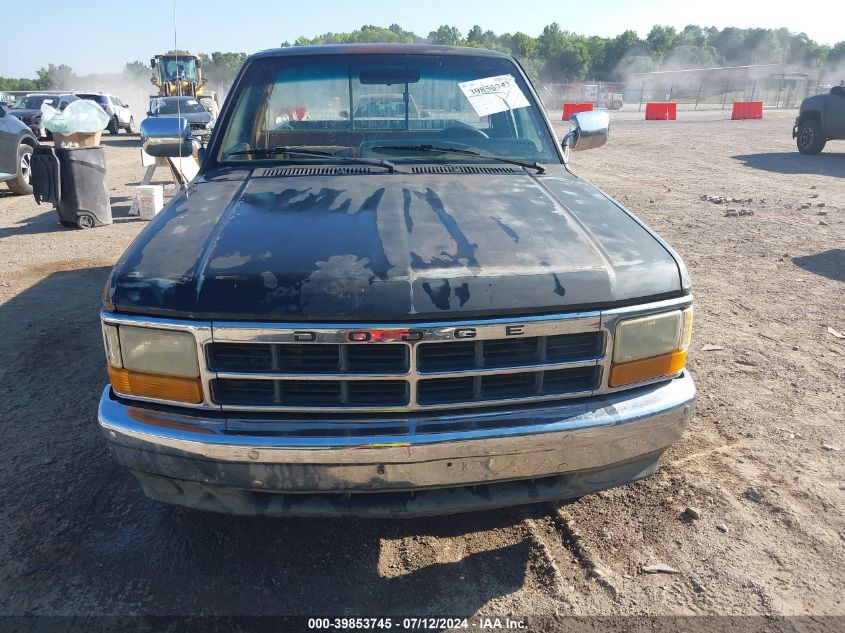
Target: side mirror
588	130
166	137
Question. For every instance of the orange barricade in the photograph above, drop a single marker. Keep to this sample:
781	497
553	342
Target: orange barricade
747	110
661	111
571	108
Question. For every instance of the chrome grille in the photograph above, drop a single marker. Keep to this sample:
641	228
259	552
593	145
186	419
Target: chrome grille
268	367
248	369
309	359
494	387
509	352
310	393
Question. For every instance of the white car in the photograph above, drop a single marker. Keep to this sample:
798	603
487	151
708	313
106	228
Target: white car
120	116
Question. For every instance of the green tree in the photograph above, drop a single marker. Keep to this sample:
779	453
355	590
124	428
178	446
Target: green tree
220	68
449	35
692	35
522	45
660	40
614	51
136	70
54	77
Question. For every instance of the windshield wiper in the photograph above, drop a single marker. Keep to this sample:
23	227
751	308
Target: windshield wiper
299	151
465	152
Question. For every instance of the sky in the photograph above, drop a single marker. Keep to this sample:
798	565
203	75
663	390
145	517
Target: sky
127	31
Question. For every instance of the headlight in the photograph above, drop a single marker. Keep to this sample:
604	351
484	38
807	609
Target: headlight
152	363
651	346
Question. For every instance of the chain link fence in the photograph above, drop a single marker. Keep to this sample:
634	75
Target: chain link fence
702	95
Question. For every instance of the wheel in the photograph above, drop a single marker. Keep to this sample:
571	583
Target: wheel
130	129
21	184
114	126
810	139
617	105
85	221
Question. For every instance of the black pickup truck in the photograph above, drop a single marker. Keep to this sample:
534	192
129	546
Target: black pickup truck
821	118
391	315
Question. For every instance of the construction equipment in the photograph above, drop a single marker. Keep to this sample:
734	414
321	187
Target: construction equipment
180	74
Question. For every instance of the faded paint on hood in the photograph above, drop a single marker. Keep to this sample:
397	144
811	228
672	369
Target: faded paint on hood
390	247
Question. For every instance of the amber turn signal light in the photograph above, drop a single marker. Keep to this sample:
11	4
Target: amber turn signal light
647	368
158	386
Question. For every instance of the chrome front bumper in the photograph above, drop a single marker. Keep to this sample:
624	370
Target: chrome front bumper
510	456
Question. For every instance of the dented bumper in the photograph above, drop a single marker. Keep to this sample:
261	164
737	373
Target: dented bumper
496	458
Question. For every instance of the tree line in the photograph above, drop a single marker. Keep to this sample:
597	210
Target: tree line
554	56
558	56
219	69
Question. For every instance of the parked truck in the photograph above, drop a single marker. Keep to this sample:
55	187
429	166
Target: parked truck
391	316
821	118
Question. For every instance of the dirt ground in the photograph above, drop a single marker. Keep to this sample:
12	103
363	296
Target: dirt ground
77	536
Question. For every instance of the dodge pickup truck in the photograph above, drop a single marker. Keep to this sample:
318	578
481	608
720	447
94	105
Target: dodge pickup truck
393	315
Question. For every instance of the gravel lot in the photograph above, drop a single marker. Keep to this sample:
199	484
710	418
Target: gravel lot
77	536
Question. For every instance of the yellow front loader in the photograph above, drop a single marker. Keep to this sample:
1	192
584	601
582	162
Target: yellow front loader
180	74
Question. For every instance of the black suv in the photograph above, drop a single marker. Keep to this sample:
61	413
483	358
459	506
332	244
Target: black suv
820	119
28	110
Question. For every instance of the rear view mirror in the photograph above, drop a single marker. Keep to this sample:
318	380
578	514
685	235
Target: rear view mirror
389	76
588	130
166	137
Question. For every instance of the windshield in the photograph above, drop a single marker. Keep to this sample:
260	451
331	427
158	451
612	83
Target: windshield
386	106
33	102
175	106
97	98
183	68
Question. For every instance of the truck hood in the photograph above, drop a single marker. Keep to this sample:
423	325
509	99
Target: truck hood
816	102
382	247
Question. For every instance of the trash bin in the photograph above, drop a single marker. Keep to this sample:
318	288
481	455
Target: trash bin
74	181
84	199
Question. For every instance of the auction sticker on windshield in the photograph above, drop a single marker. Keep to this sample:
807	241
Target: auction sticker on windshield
493	94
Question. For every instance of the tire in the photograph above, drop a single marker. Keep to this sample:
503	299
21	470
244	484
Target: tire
810	139
21	184
130	129
85	221
114	126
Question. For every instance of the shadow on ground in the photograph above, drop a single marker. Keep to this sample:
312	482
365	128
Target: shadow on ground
48	221
829	264
78	535
824	164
